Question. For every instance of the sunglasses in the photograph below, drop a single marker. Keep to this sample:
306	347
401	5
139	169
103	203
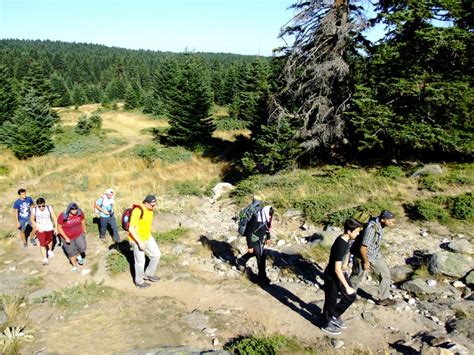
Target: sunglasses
41	206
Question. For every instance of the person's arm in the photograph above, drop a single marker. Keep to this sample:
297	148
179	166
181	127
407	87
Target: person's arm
61	231
365	257
17	221
83	223
367	240
134	234
99	207
33	220
55	220
341	277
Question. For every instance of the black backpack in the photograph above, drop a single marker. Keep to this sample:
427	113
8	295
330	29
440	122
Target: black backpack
247	213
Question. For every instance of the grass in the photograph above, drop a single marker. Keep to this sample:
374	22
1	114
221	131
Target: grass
318	254
273	344
78	296
35	282
172	235
116	263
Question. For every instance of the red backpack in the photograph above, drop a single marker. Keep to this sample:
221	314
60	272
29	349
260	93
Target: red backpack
127	215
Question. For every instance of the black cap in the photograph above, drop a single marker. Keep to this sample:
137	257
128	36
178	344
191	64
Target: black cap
149	199
386	215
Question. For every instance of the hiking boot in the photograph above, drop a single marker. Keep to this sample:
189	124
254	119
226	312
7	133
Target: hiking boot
45	261
240	266
338	322
33	242
331	329
387	302
152	278
142	284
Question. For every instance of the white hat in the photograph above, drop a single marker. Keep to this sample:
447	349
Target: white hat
109	191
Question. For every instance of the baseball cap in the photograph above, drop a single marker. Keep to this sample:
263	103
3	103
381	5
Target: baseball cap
149	199
109	191
386	215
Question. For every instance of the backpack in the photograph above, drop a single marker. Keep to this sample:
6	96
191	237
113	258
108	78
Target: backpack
49	210
96	211
127	215
246	214
362	217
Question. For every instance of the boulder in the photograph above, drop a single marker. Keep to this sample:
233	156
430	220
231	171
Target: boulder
463	326
328	238
461	246
469	278
450	264
429	169
292	213
221	189
401	273
420	287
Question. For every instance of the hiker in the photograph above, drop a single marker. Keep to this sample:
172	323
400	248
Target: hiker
257	233
336	284
142	241
367	256
44	221
72	228
22	212
104	206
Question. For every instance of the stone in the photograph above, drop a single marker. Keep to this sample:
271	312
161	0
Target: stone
461	246
197	320
215	341
431	283
292	213
431	350
419	287
280	243
458	284
429	169
463	326
450	264
337	343
368	317
469	278
401	273
3	317
221	189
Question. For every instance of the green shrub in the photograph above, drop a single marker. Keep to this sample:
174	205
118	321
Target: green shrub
229	124
246	188
463	207
429	182
426	210
4	170
339	217
172	235
189	188
317	208
169	155
116	263
275	344
391	172
87	125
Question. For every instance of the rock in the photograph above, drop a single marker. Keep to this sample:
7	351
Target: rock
337	343
461	246
424	234
221	189
429	169
469	278
328	238
458	349
401	273
292	213
458	284
3	317
431	283
280	243
466	307
215	341
369	317
463	326
419	287
197	320
430	350
450	264
439	341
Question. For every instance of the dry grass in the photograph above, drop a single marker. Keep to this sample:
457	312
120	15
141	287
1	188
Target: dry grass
231	135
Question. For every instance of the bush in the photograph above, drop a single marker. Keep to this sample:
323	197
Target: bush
391	172
463	207
171	236
275	344
87	125
4	170
169	155
189	188
229	124
116	263
430	183
317	208
426	210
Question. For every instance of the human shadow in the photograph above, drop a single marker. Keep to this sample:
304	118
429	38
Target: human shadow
220	249
124	248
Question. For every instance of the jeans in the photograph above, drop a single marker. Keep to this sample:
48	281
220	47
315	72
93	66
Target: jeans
104	222
332	288
380	268
259	253
151	248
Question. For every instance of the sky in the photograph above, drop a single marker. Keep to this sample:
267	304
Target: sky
228	26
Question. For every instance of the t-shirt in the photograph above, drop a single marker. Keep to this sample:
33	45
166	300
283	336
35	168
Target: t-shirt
338	251
23	207
43	219
106	204
72	226
143	225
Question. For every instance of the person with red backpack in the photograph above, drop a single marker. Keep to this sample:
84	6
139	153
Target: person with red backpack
43	220
104	206
139	232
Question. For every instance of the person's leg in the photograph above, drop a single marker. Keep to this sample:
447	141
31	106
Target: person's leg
42	242
380	267
345	301
113	225
103	221
139	261
261	262
154	254
330	299
23	233
71	252
357	274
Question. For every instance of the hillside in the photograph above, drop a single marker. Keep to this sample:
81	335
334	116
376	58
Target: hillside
203	301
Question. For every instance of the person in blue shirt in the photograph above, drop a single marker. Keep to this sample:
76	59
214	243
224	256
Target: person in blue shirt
22	212
104	206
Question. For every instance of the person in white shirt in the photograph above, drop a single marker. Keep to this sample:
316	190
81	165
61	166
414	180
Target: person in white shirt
44	221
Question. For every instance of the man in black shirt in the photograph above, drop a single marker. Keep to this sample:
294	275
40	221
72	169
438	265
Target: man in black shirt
335	281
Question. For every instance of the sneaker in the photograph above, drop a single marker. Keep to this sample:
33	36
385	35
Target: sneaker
74	269
33	242
45	261
264	280
50	253
143	285
338	322
239	265
102	239
152	278
80	260
25	246
331	329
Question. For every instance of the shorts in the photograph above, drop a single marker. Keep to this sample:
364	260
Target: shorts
77	246
24	223
45	237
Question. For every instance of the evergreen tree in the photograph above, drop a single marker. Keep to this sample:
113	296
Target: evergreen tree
8	100
132	97
189	111
60	90
29	133
164	85
78	96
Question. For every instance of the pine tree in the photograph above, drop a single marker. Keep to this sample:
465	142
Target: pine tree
190	105
8	100
132	97
29	133
60	90
165	82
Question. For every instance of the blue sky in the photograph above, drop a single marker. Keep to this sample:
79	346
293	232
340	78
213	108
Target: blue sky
235	26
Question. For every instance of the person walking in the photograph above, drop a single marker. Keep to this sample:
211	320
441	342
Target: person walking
104	206
143	242
336	284
72	228
257	234
22	213
367	256
44	221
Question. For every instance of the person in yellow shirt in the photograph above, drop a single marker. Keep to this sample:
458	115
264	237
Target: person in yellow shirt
142	241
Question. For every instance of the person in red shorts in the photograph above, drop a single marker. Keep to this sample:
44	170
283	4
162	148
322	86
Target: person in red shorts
72	228
43	220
